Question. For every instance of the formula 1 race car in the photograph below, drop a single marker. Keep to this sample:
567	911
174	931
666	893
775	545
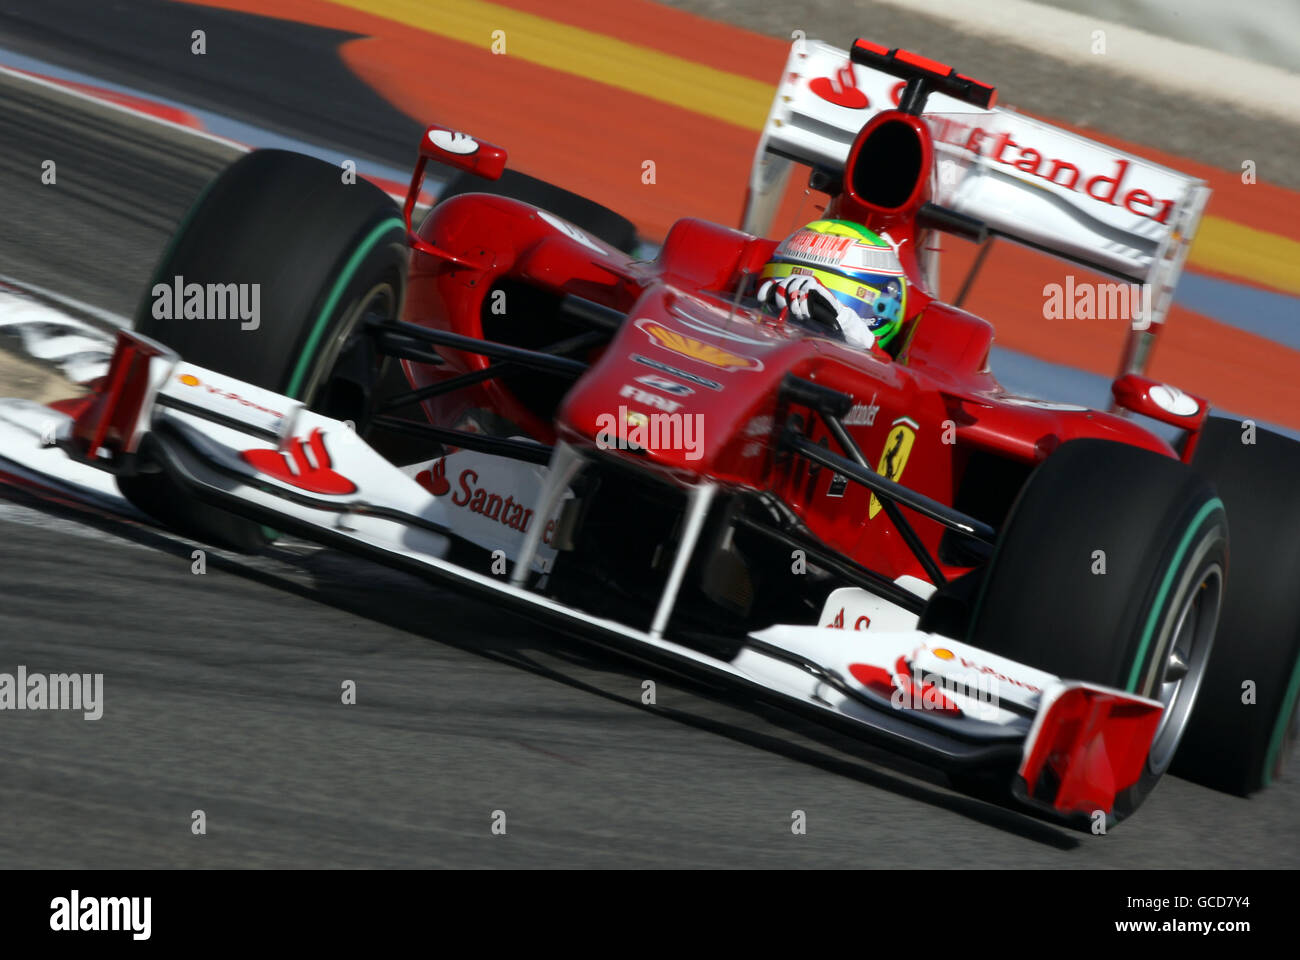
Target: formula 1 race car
1036	597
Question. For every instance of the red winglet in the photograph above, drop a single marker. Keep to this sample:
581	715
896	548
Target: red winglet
992	91
923	63
932	75
1090	745
871	47
109	420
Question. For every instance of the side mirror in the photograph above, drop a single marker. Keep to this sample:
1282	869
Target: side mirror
453	149
1159	401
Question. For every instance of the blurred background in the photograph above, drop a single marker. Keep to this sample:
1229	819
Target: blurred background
585	92
222	689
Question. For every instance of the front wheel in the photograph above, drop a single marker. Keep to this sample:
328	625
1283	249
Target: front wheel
1111	569
1245	724
318	258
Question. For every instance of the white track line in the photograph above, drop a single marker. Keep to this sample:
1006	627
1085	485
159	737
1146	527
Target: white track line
120	108
107	317
82	351
170	124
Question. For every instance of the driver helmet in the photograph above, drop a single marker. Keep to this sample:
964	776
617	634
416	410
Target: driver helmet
858	267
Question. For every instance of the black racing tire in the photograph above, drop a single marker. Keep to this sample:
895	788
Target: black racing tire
1232	744
600	221
324	254
1045	602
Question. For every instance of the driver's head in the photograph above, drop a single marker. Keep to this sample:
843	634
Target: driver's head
859	267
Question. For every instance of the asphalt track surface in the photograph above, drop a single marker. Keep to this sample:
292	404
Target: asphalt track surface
222	692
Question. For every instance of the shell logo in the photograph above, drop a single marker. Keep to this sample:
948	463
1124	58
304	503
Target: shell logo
696	349
188	379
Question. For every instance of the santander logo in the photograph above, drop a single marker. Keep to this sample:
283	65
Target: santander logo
480	499
434	479
305	464
1108	187
841	89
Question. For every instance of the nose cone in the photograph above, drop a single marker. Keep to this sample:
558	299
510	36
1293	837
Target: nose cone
678	387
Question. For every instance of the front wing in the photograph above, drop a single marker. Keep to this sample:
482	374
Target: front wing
1072	746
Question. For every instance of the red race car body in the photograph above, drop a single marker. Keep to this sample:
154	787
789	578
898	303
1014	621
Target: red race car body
633	448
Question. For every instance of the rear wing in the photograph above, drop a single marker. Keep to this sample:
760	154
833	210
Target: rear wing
1026	180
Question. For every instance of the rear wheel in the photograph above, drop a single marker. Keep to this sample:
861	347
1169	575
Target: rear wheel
324	257
1110	569
1245	723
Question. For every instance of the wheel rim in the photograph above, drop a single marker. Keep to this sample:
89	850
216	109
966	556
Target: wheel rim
1184	665
349	365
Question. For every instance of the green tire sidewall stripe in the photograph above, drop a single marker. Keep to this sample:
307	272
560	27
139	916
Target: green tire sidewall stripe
322	320
180	231
318	330
331	302
1207	509
1279	728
